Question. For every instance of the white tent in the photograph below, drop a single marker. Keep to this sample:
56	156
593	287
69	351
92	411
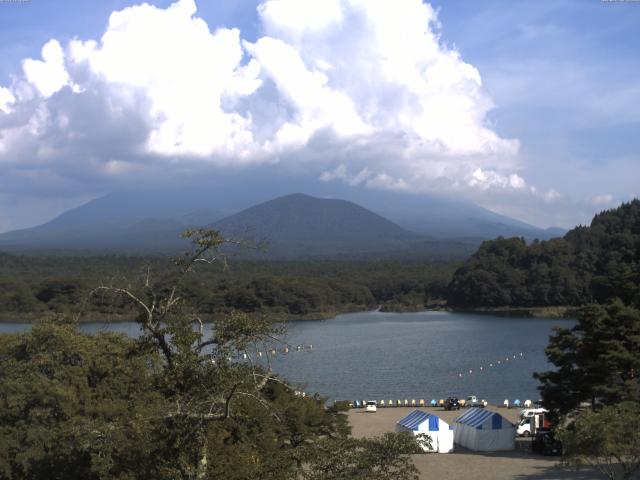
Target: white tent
485	431
440	432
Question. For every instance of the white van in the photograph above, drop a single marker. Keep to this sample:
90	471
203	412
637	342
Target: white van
531	421
372	406
530	412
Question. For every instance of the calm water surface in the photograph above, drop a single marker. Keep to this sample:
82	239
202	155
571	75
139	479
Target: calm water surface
375	355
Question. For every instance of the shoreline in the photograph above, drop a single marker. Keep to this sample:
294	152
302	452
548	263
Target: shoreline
563	312
558	311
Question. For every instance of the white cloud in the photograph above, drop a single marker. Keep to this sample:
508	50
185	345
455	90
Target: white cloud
49	74
551	196
6	100
485	180
186	76
358	91
341	173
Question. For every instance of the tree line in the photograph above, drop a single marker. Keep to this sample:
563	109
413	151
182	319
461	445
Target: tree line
589	264
35	286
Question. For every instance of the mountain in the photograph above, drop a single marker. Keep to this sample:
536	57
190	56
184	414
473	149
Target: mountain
300	225
441	217
295	225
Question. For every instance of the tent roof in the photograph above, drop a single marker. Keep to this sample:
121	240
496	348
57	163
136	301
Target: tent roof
417	418
478	417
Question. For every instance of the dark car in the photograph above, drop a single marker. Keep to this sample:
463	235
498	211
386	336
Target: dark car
545	443
452	403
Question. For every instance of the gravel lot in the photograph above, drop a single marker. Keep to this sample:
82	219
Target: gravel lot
462	463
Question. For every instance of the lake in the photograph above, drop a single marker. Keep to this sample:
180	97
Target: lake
376	355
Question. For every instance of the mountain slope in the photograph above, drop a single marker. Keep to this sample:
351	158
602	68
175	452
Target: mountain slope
150	222
299	224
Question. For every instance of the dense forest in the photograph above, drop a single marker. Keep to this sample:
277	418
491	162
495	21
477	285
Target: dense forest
589	264
31	286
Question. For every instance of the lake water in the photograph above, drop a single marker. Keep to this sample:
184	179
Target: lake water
375	355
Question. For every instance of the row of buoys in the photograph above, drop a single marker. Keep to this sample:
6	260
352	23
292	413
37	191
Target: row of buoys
493	364
260	353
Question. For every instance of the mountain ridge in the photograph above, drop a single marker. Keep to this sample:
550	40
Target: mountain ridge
298	225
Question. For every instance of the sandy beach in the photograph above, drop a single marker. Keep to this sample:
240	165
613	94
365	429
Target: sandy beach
464	464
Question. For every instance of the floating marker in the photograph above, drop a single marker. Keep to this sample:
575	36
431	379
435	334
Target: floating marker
459	374
470	371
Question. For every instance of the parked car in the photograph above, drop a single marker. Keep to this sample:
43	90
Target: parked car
472	401
545	443
452	403
372	406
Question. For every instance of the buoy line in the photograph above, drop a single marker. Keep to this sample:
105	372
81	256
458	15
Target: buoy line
491	365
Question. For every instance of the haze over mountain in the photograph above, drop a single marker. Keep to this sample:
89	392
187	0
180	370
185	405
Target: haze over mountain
294	225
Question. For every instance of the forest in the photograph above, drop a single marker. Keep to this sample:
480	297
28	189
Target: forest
33	286
593	263
589	264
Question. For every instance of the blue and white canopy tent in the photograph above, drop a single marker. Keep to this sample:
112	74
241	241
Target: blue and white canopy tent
440	432
485	431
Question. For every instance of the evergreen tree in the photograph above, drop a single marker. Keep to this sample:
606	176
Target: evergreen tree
597	361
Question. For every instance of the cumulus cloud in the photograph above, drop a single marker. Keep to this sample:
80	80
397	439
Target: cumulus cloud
6	100
49	74
358	91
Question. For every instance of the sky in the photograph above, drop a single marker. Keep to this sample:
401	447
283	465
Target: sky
530	109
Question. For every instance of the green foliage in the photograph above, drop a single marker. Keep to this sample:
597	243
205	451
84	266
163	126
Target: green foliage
379	458
283	290
608	439
175	403
596	263
597	361
72	406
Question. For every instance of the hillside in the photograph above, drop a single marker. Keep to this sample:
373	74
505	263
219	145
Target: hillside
301	225
594	263
295	226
